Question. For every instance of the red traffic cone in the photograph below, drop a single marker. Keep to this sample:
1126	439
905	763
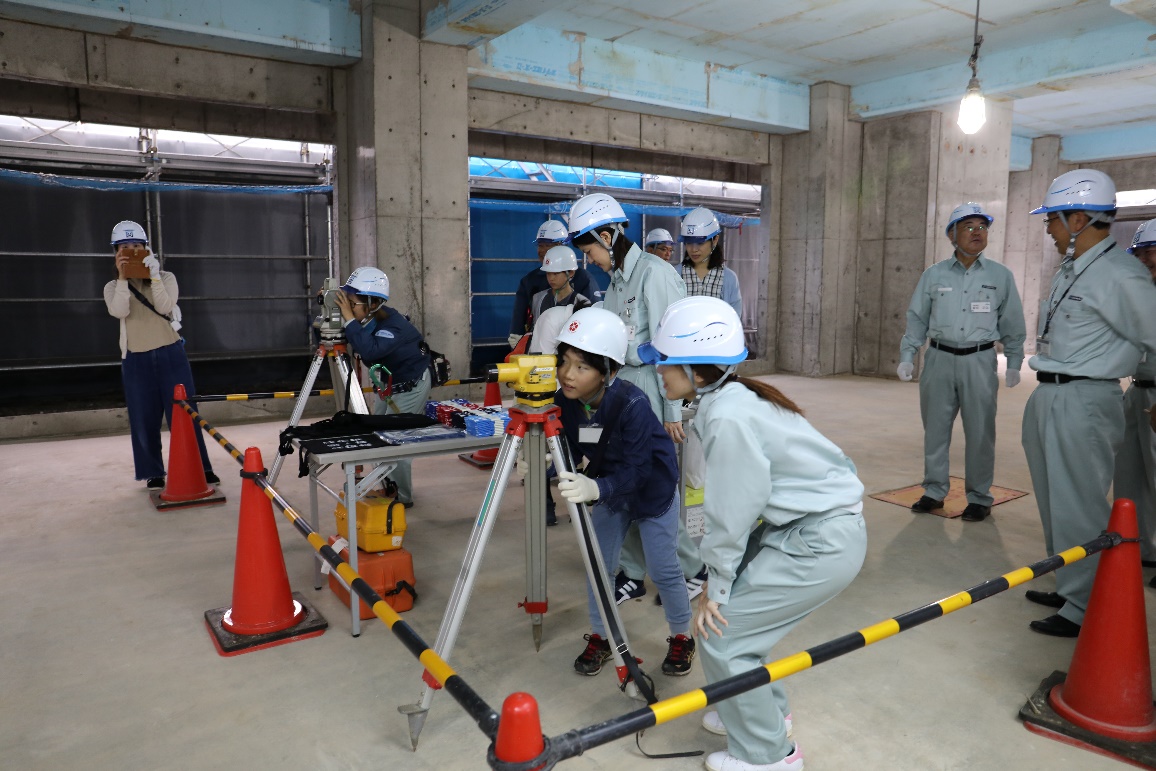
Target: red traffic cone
485	458
185	483
264	611
1108	689
519	730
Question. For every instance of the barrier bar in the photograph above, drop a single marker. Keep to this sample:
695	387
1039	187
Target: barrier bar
470	701
574	743
266	395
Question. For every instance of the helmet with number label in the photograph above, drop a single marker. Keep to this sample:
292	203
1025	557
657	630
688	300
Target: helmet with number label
127	231
1145	237
596	331
699	225
371	282
553	232
965	211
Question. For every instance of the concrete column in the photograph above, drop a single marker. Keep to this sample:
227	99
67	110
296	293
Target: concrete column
405	173
1029	252
771	206
820	220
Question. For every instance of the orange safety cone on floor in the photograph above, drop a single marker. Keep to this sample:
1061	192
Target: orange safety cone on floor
519	736
185	484
484	459
1104	703
264	611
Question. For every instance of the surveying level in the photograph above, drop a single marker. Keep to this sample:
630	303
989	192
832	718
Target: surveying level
535	419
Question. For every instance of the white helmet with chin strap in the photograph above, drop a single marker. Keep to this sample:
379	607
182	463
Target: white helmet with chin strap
595	210
552	231
699	225
1145	236
559	260
659	236
961	213
370	282
1087	190
127	231
698	330
596	331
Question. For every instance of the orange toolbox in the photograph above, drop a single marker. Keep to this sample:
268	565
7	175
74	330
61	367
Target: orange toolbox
390	573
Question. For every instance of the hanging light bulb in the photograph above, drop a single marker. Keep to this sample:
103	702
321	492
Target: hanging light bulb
972	113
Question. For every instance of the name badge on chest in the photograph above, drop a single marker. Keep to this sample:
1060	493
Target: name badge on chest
1043	347
981	307
589	434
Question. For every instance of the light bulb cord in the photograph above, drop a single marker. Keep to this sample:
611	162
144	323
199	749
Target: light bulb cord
973	62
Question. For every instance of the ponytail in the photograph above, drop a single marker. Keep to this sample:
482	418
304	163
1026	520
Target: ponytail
710	373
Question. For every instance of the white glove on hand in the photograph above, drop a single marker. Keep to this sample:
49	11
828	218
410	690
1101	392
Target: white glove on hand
513	340
578	488
523	465
154	266
905	370
1012	378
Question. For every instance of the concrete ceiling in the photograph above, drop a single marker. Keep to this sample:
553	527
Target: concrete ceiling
1069	68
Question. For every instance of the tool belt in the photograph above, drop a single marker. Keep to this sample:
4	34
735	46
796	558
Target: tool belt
962	351
1059	379
406	387
1143	383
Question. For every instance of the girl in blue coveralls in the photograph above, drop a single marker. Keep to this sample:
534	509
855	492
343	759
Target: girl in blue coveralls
784	530
381	335
633	474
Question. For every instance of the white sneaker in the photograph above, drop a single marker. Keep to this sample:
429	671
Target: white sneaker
713	723
694	585
724	761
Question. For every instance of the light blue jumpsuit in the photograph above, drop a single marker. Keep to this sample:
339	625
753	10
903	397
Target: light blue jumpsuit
962	308
639	293
1135	476
1102	307
763	462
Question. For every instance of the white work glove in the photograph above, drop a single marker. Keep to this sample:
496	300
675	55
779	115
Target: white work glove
577	488
176	315
154	266
1012	378
905	370
513	340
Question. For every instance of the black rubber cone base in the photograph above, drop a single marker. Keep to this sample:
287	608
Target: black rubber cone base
229	644
469	458
1040	718
216	499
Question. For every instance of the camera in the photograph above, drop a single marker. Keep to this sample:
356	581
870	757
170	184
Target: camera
329	323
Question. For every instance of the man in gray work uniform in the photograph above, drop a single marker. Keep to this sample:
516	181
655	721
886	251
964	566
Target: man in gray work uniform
1096	321
964	304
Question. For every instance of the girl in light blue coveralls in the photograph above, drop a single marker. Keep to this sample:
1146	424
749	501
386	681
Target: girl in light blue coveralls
784	530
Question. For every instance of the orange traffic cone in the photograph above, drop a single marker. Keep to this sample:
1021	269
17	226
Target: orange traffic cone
1104	704
519	731
485	458
185	484
264	612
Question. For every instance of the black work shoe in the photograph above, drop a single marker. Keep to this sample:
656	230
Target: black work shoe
976	513
212	478
627	588
679	655
590	661
1051	599
156	483
1056	626
926	505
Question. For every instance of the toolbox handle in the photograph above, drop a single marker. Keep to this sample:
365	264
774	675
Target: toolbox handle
401	586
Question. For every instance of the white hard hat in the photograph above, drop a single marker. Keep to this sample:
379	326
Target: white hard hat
596	331
592	211
1079	190
559	260
127	230
552	231
700	225
696	330
1145	236
368	281
966	210
659	236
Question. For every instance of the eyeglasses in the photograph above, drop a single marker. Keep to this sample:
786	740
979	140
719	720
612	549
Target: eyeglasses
1049	220
973	228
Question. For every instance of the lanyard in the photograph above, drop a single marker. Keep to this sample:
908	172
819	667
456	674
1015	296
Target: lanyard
1053	308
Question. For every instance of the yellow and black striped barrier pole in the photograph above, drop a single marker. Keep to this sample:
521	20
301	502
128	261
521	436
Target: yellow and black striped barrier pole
466	697
266	395
576	742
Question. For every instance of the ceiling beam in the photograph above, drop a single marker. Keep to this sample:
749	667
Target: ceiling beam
1130	140
470	23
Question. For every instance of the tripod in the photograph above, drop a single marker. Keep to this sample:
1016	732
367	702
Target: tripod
347	395
536	420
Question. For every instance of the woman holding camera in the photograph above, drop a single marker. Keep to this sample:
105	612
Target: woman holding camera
152	353
381	335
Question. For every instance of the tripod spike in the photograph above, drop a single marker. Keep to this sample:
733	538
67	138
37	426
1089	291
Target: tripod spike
415	715
537	631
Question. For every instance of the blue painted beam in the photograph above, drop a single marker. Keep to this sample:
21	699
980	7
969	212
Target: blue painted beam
1130	140
303	31
470	23
1021	153
570	66
1015	73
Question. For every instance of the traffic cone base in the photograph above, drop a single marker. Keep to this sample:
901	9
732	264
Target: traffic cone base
1040	718
312	624
185	484
214	497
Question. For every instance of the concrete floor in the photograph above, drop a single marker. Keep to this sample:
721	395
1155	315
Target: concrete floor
105	661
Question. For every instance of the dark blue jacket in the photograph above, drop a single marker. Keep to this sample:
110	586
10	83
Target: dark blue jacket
639	471
534	282
393	343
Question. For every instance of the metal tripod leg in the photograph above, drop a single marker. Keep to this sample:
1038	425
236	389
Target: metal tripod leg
463	587
536	492
299	408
